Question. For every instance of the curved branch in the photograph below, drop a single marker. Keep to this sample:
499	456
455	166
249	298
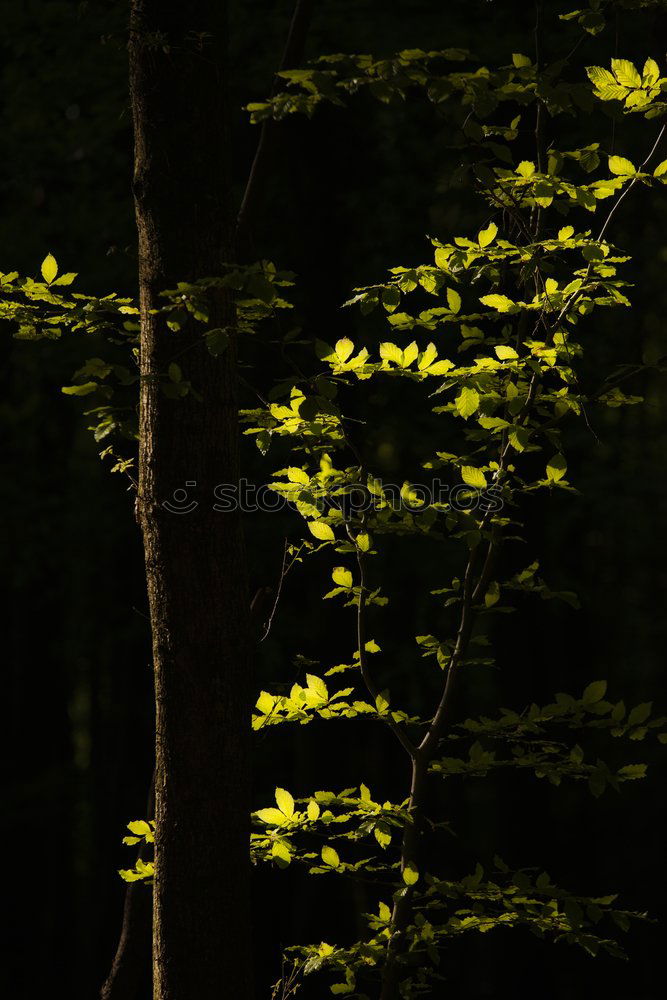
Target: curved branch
400	735
292	55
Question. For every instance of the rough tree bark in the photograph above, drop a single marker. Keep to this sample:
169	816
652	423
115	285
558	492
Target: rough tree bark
195	564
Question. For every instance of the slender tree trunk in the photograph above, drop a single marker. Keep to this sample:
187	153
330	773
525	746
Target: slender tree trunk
195	564
130	973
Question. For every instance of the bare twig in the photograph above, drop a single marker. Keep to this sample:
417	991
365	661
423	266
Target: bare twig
292	55
398	732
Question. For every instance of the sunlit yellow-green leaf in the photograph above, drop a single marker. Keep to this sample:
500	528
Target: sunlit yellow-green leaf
363	542
526	168
280	852
650	73
344	348
453	300
442	258
139	827
622	167
321	530
391	352
80	390
505	353
556	468
272	816
330	856
626	73
473	477
410	873
501	303
285	802
467	402
488	235
49	268
342	577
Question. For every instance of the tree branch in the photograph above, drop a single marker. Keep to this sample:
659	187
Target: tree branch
129	976
292	55
400	735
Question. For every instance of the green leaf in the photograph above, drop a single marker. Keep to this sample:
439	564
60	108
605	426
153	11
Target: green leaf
313	811
382	702
467	402
622	167
661	169
391	352
330	857
140	827
66	279
297	475
428	357
49	268
594	692
317	685
650	73
492	423
280	852
342	577
473	477
505	353
217	341
285	802
556	468
80	390
453	300
518	438
520	61
344	348
391	298
640	713
272	816
363	542
600	77
492	595
488	235
410	873
526	168
442	258
633	772
500	303
174	372
626	73
321	530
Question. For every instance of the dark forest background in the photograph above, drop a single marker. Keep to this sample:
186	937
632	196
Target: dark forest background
349	194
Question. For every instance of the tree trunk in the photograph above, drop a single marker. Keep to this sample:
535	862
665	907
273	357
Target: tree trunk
195	564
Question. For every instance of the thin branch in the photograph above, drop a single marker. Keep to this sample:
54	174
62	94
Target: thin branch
632	183
292	55
400	735
284	570
130	969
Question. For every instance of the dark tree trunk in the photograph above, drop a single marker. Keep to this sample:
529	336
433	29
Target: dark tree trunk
130	974
195	564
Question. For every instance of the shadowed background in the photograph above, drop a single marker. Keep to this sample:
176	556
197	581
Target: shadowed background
348	194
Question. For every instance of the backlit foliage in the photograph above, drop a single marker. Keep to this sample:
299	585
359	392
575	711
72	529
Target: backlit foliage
491	328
